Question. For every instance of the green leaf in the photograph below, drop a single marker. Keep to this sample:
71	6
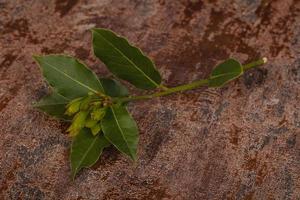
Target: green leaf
54	105
121	130
124	60
114	88
86	150
225	72
68	76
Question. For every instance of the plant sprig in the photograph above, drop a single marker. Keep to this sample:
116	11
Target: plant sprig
96	107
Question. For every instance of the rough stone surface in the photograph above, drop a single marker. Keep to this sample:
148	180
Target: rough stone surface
238	142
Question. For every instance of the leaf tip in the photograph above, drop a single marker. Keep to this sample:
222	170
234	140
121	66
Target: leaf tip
73	175
74	171
133	157
35	104
94	29
36	57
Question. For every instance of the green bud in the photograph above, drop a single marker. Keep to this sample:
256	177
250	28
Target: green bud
73	131
98	113
78	123
79	119
90	123
73	107
85	103
97	104
96	129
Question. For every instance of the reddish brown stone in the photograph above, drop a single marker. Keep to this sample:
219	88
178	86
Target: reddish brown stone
238	142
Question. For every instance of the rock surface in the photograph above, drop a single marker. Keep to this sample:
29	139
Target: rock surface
238	142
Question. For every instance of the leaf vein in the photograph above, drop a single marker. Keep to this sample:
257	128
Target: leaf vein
120	52
85	154
122	133
83	85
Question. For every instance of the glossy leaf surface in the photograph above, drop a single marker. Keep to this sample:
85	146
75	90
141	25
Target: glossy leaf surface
68	76
114	88
121	130
225	72
86	150
124	60
54	105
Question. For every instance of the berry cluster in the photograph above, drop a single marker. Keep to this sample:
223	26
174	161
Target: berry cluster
87	112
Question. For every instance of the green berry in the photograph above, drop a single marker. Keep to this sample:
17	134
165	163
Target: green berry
96	129
85	103
73	131
90	123
98	113
78	123
79	119
73	107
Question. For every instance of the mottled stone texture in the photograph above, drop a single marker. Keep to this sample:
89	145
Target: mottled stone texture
238	142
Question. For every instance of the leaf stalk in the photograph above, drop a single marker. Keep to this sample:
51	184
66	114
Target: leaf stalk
185	87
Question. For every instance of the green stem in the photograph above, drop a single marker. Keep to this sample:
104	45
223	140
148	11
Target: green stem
181	88
255	63
163	87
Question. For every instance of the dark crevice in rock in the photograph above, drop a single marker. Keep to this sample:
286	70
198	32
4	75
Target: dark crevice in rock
64	6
